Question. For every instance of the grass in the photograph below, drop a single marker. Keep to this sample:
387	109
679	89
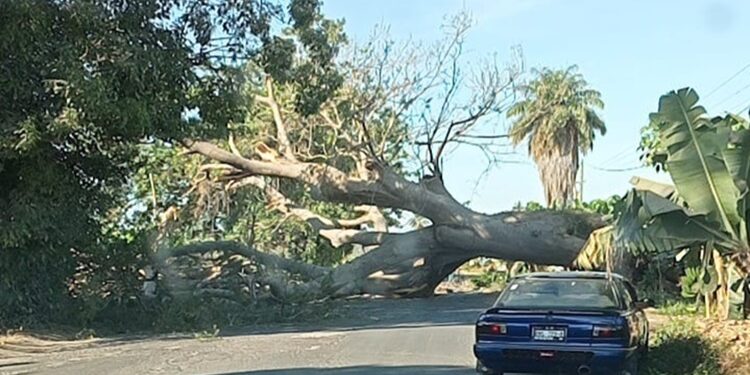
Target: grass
679	307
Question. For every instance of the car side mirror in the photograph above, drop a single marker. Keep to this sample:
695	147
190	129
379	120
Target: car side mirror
643	304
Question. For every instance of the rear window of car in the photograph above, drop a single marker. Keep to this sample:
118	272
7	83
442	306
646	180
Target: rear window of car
574	294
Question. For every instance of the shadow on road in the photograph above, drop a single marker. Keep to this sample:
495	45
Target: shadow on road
362	370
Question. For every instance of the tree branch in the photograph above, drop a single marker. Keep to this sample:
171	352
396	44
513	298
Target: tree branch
282	136
387	189
279	202
270	260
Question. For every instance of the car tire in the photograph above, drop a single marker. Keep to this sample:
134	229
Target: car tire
482	369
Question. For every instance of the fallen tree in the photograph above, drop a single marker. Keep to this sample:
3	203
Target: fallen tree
387	101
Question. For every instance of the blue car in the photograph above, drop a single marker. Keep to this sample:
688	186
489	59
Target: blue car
563	323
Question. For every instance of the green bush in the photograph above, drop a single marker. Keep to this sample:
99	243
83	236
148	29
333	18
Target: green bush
489	279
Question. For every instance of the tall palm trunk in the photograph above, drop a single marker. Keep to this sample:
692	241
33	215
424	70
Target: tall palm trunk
558	168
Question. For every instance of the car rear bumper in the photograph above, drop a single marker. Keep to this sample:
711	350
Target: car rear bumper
509	357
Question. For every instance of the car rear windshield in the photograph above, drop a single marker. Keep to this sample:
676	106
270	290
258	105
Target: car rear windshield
567	294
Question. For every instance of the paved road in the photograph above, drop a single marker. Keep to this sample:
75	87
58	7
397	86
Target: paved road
427	336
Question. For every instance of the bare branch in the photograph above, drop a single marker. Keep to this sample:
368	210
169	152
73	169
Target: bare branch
233	146
282	137
216	166
340	237
279	202
387	189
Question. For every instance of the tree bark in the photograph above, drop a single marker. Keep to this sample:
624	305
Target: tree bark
400	264
414	263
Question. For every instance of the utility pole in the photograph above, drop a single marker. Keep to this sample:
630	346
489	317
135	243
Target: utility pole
580	184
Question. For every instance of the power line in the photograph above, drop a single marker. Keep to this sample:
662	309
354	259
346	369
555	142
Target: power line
618	169
619	154
727	81
744	107
732	95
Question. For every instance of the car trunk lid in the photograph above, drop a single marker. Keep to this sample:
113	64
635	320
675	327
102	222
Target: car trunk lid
548	328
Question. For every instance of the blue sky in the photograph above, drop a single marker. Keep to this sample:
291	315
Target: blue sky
631	51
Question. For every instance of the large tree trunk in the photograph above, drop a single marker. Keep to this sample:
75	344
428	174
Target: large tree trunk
398	264
403	264
414	263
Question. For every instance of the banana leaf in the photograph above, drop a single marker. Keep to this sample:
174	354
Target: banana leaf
695	146
737	158
652	223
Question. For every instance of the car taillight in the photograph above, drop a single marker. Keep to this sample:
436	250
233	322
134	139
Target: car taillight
486	328
609	331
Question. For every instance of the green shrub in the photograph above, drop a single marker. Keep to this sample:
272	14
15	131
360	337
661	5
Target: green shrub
489	279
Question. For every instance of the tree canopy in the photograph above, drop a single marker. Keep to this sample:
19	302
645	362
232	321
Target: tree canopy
87	83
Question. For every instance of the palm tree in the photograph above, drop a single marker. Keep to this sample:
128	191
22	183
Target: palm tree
558	118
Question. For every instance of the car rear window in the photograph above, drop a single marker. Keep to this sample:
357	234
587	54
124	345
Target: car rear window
576	294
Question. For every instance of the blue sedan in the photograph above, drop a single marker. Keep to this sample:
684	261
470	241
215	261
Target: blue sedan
563	322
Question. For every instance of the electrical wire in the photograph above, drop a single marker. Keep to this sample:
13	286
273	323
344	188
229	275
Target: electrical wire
618	169
727	81
745	105
619	154
732	95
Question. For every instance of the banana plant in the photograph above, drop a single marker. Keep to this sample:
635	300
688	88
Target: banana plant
708	160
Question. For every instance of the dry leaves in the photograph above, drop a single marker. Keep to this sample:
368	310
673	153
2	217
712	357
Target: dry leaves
734	339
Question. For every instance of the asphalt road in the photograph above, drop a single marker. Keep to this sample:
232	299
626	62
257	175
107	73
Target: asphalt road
423	336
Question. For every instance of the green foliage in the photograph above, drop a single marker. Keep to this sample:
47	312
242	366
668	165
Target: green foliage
650	223
490	279
530	206
606	206
95	95
678	307
699	281
694	147
656	279
680	338
707	160
652	151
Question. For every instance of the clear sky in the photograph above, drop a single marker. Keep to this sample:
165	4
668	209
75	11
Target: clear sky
632	51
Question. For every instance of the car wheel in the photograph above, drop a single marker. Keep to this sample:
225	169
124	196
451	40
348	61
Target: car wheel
631	368
482	369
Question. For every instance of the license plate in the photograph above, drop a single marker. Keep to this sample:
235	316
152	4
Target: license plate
549	334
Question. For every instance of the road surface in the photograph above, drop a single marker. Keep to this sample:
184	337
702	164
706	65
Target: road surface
420	336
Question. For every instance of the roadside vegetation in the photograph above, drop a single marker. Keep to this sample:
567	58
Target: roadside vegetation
692	345
680	347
